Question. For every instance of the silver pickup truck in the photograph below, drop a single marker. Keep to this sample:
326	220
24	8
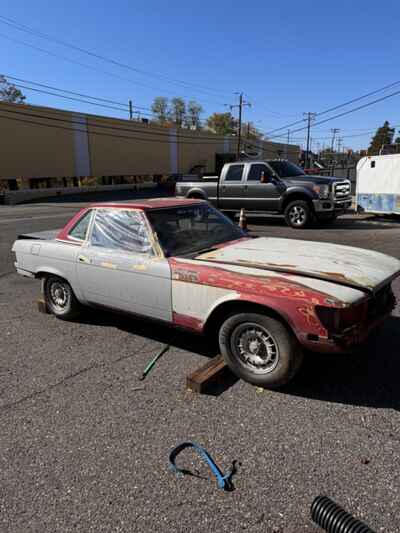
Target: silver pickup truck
274	186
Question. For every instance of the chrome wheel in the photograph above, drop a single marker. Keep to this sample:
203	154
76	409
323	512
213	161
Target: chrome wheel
59	294
255	348
297	215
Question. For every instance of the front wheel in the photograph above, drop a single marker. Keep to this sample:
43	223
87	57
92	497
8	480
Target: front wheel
260	349
60	298
298	214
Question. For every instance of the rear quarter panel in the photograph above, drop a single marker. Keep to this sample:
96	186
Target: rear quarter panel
53	257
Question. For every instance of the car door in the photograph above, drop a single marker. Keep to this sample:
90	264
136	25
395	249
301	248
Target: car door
262	191
231	193
118	267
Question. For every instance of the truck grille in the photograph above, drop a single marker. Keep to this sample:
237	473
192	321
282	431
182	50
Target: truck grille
341	190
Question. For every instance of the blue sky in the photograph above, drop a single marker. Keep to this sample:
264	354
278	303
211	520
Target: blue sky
287	57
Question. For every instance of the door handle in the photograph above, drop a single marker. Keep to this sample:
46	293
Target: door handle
83	259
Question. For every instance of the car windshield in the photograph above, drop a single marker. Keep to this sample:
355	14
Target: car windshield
284	169
193	228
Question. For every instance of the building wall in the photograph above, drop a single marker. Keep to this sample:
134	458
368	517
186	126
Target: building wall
42	142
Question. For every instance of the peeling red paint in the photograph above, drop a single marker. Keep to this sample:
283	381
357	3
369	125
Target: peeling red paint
293	301
188	322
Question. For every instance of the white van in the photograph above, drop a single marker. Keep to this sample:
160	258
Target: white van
378	184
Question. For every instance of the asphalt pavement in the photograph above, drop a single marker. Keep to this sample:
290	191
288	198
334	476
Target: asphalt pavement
84	444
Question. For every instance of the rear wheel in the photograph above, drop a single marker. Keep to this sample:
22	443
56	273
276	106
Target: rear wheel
260	349
60	298
298	214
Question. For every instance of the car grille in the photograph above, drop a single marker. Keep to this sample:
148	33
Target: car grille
342	190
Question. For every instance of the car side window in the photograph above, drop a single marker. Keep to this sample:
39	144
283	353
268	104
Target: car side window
256	171
235	173
79	231
121	229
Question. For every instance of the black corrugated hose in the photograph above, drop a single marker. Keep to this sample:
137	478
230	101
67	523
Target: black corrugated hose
333	519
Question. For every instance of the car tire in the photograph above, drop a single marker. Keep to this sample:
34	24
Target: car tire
60	298
298	214
260	349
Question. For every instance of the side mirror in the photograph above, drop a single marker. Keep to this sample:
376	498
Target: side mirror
263	178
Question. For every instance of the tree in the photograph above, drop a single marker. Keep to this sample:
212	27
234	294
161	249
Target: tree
177	111
9	93
192	119
222	123
249	131
397	139
160	108
383	135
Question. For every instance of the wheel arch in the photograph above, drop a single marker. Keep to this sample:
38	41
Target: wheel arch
297	195
196	193
223	309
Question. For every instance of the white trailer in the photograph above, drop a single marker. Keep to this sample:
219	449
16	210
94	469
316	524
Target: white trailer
378	184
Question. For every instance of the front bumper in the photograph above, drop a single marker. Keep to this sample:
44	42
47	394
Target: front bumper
330	206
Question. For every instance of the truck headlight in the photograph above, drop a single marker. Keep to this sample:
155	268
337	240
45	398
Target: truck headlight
322	191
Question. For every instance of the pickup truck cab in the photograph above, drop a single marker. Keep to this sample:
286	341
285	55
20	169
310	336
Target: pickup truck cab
273	186
183	263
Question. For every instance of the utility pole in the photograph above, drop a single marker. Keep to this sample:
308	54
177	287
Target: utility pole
241	104
310	116
287	143
130	110
334	132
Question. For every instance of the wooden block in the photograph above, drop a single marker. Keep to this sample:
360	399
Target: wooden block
42	306
198	380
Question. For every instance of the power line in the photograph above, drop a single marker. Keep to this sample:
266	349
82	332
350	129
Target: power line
339	106
8	77
27	29
90	67
25	121
349	111
212	139
68	97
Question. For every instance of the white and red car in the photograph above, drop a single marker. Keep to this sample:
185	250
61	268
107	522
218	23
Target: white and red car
183	263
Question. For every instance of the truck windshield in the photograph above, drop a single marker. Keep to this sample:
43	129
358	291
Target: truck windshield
190	229
284	169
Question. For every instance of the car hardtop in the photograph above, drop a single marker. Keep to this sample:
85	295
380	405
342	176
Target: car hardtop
152	203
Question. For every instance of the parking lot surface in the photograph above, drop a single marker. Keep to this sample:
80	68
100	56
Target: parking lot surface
84	444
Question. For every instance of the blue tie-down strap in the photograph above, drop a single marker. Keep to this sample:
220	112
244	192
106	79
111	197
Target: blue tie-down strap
224	480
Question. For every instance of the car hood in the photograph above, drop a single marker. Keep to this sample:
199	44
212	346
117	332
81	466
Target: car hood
344	265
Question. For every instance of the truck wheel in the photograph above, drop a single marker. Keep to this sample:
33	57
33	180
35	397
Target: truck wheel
298	214
260	349
60	298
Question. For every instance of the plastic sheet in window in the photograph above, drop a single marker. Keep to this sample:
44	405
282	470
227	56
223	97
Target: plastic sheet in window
122	230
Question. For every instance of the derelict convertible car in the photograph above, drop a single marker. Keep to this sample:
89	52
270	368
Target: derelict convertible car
184	263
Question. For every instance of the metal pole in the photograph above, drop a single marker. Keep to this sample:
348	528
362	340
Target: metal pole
287	144
308	139
130	110
240	125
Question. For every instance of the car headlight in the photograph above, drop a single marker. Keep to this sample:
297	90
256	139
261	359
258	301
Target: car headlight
322	190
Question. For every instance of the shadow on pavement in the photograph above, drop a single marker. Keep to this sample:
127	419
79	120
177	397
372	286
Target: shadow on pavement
339	224
369	378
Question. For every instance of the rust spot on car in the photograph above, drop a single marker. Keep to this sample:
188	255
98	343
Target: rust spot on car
187	321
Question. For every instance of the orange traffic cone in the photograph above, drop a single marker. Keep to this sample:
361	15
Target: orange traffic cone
243	219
